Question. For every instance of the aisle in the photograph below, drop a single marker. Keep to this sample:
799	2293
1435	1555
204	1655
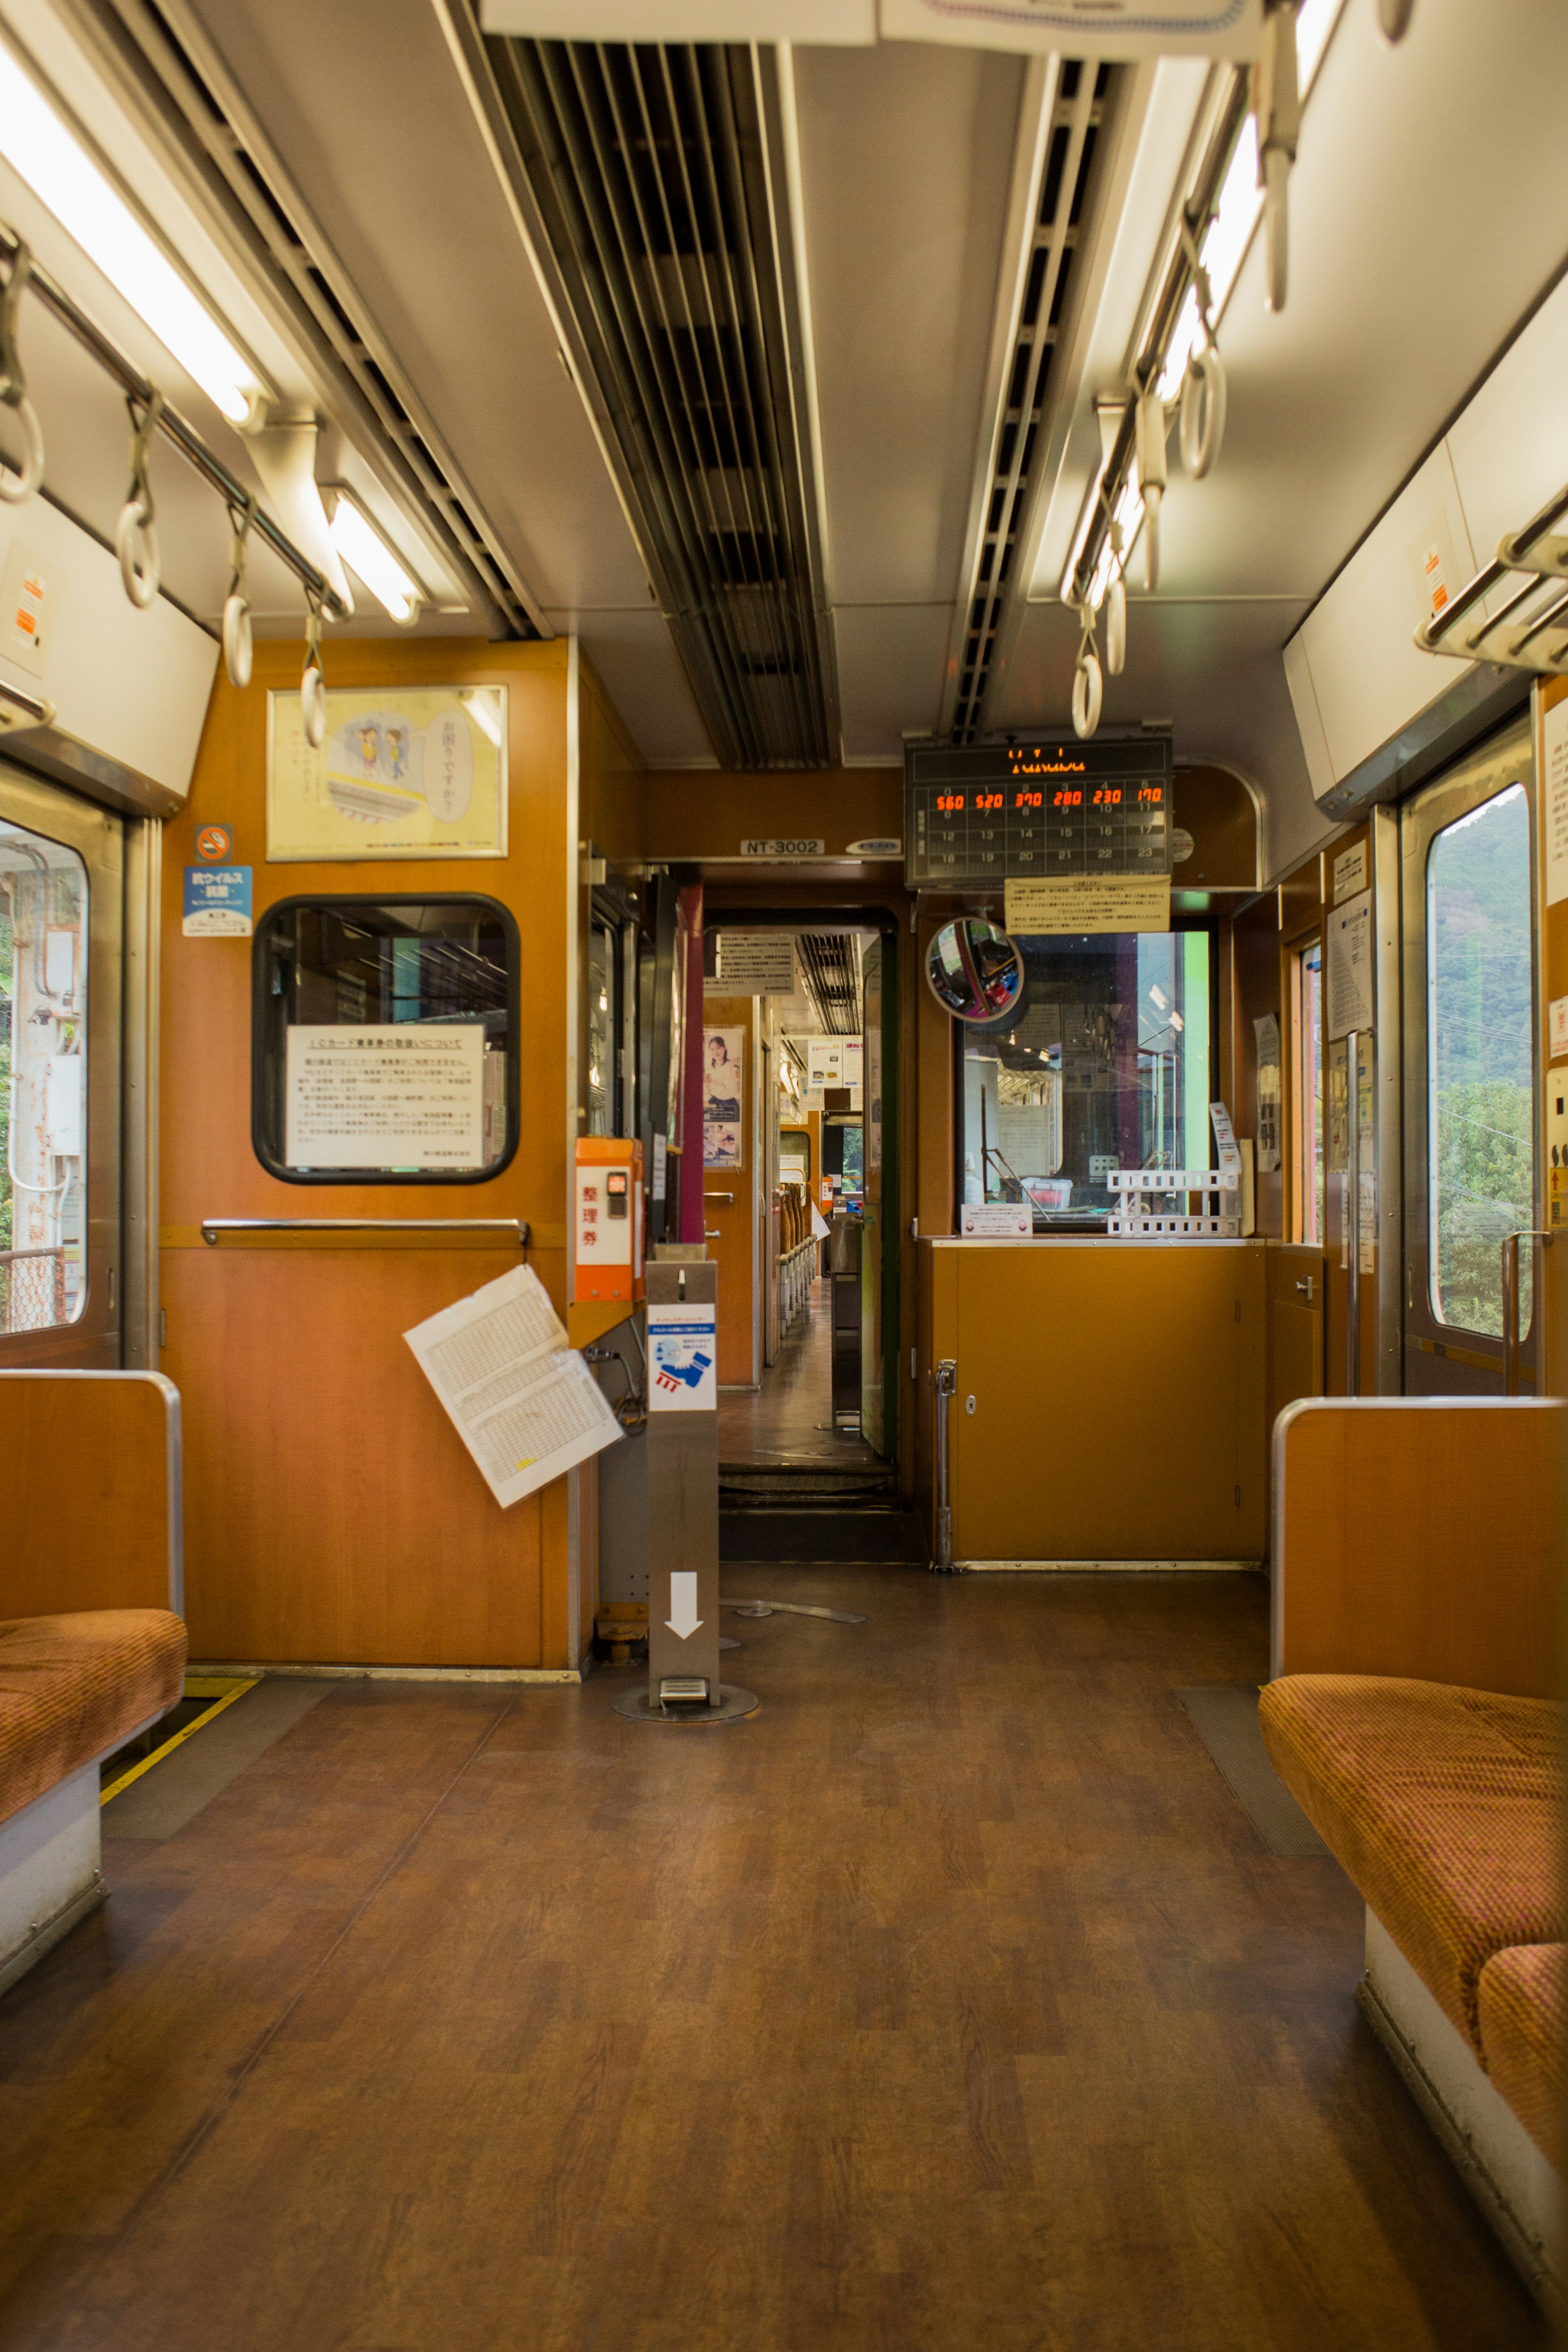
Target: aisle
949	2001
789	1418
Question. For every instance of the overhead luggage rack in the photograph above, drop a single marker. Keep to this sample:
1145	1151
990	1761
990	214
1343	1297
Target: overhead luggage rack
1529	629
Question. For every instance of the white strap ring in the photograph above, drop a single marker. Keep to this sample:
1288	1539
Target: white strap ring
1202	412
313	702
1088	694
136	544
236	646
16	488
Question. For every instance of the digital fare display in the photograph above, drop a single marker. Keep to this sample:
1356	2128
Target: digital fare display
1052	810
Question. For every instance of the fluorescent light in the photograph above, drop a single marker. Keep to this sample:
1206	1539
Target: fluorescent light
38	144
1240	203
483	710
367	554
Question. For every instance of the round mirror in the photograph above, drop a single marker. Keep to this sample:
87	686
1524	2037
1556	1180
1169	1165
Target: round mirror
975	972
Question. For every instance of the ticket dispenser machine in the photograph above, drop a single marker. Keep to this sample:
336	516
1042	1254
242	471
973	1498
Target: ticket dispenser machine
607	1222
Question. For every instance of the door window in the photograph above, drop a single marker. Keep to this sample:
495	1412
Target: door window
385	1045
1479	1062
42	1081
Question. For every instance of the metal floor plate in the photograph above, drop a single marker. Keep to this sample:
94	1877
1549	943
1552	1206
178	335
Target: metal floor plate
1224	1716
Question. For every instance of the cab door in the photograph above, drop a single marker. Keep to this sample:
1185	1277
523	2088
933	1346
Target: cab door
1467	850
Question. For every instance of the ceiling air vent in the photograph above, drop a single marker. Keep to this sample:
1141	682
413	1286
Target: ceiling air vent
1061	168
652	181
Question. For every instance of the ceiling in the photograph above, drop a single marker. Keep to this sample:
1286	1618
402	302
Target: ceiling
1415	258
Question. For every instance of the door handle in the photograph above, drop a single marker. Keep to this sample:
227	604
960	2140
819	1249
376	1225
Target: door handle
721	1196
514	1229
1306	1289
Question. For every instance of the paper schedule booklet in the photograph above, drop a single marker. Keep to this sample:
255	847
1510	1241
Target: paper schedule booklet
523	1402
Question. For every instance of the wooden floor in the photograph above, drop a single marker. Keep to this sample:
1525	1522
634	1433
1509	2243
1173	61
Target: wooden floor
789	1419
948	2002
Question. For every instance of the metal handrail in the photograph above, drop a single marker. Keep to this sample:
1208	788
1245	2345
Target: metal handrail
185	436
517	1227
1352	1216
1510	1253
946	1388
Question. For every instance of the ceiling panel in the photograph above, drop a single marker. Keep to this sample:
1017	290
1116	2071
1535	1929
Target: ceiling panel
890	662
1213	669
906	156
377	132
634	654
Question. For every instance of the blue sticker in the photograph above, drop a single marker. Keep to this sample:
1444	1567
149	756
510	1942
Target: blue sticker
217	902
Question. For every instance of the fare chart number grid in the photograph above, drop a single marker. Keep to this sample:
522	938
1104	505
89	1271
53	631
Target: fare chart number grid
1030	819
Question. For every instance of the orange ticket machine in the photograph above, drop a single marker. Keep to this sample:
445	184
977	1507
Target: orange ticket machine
607	1219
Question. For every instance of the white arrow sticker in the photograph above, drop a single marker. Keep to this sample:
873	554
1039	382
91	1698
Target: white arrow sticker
683	1620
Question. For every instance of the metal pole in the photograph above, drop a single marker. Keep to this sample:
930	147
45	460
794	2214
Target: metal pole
946	1387
1352	1216
1511	1315
1510	1354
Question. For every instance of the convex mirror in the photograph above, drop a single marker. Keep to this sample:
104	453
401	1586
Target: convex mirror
974	970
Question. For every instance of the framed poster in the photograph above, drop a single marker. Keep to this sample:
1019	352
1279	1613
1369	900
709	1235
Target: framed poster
723	1097
402	772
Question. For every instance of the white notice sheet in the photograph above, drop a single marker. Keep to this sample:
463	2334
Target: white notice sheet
524	1404
404	1095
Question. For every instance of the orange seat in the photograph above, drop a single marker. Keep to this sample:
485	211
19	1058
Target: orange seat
1442	1805
72	1687
1523	2006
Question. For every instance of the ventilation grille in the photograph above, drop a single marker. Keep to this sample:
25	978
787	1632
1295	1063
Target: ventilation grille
654	175
1017	438
163	54
830	969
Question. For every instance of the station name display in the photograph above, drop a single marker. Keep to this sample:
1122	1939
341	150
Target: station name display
1096	817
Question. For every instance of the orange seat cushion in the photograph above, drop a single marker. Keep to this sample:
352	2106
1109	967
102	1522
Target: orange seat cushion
72	1687
1441	1803
1523	2005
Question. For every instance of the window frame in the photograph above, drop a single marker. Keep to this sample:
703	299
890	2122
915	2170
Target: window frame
358	1178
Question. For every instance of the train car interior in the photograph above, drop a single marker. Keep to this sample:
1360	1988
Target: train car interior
784	1220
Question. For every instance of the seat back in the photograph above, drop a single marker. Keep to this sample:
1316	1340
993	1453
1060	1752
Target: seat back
91	1509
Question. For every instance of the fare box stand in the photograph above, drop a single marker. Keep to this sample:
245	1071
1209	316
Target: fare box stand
683	1682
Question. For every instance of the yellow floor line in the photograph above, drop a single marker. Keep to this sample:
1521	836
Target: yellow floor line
169	1746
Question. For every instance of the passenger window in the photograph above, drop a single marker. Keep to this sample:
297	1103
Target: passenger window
385	1045
1312	1158
1103	1064
1481	1126
42	1081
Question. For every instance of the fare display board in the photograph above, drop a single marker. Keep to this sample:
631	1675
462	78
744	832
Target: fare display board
1053	810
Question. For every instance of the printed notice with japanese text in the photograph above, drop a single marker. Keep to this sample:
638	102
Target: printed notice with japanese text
525	1405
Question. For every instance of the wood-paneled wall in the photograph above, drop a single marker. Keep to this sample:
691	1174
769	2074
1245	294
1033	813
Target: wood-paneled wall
332	1513
732	1220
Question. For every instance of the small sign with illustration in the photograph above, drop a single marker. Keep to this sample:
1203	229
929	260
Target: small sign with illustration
217	902
682	1358
407	771
724	1098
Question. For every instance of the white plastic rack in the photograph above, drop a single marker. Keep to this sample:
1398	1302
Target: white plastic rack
1221	1186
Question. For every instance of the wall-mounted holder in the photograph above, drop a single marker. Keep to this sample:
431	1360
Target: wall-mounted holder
1529	629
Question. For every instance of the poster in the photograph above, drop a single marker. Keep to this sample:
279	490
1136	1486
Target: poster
1554	798
723	1097
1112	902
396	1096
1267	1032
756	963
1347	961
404	772
525	1405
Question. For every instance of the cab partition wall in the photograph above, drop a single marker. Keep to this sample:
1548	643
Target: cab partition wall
332	1515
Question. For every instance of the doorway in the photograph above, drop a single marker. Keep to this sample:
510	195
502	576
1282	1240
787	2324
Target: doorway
1470	1068
800	1200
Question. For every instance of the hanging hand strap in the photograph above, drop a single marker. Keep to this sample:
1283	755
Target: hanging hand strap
16	487
240	521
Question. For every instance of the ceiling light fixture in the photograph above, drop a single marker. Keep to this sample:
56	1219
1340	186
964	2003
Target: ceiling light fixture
1222	249
372	560
41	148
